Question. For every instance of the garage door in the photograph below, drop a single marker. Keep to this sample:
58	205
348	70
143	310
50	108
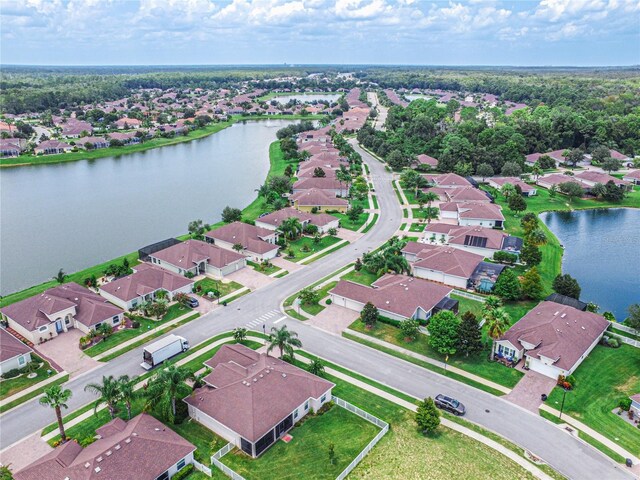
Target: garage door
547	370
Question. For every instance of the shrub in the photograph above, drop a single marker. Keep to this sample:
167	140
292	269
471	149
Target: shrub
625	403
332	231
135	324
85	442
184	472
613	343
571	380
311	229
12	373
328	302
505	257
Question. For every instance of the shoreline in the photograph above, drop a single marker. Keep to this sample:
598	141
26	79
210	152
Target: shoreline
197	134
277	165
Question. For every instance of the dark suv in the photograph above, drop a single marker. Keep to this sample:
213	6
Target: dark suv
449	404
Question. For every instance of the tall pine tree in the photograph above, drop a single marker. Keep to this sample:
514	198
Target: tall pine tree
532	284
508	285
427	416
469	335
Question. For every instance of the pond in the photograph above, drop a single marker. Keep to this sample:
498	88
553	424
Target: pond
78	214
307	97
602	251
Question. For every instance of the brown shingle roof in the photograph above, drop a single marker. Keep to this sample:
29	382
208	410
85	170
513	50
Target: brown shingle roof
277	217
560	332
145	280
142	449
451	261
189	253
249	236
398	294
326	183
316	197
10	346
254	391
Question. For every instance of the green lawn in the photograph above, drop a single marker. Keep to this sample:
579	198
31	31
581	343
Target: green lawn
363	276
372	224
11	386
306	456
146	324
320	306
345	222
417	227
308	242
605	377
209	284
477	365
207	443
266	270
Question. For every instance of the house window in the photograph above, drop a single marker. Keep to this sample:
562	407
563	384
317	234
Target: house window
323	398
181	464
43	329
22	361
163	476
116	320
295	413
306	405
97	326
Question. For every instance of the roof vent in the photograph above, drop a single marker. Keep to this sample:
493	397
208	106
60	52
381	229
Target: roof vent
97	469
135	434
255	379
128	440
108	454
563	315
261	376
87	465
157	429
284	375
583	328
99	459
117	447
556	314
406	288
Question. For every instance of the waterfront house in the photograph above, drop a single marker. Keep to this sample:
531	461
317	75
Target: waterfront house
257	243
252	399
633	177
328	184
143	285
52	147
196	257
273	220
318	200
590	178
12	147
397	297
553	339
552	179
473	213
475	239
49	314
13	353
142	448
94	142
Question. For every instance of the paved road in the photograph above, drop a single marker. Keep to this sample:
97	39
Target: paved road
566	454
378	122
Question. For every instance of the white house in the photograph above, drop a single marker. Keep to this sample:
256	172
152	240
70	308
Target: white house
475	239
257	243
473	213
143	286
13	353
323	221
252	399
45	316
552	338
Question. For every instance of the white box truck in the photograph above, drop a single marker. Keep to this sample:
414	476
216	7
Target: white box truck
165	348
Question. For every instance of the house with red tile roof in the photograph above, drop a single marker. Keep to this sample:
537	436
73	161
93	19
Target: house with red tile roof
427	161
252	399
553	339
552	179
45	316
589	178
397	297
143	285
257	243
13	353
12	147
142	448
197	257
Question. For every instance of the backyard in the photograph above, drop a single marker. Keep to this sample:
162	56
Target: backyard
602	380
307	455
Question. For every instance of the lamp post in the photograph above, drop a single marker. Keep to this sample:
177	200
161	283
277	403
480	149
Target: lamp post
564	394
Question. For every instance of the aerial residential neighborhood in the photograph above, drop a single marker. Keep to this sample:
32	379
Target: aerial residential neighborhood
373	239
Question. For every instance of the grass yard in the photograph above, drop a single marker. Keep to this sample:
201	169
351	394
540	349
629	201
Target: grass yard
307	455
363	277
478	365
374	220
207	443
209	284
308	242
417	227
316	308
345	222
11	386
146	324
605	377
260	268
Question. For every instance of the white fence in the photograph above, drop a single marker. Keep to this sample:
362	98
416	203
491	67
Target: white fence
623	339
624	328
472	296
203	468
215	460
370	418
223	451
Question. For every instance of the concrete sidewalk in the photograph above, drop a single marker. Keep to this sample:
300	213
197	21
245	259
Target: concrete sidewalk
520	460
423	358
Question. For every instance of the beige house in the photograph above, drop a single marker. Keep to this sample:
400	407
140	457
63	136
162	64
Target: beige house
45	316
257	243
13	353
319	201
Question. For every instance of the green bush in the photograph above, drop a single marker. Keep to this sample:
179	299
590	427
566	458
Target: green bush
12	373
625	403
184	473
613	343
135	324
571	380
328	301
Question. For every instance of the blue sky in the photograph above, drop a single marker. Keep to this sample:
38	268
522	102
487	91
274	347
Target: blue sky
473	32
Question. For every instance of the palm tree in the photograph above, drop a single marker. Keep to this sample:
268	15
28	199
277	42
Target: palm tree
56	397
316	367
163	389
491	303
498	322
290	228
430	197
238	247
239	334
109	392
127	392
537	171
537	237
284	339
60	276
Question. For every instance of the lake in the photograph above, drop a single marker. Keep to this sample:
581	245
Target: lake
307	97
78	214
602	251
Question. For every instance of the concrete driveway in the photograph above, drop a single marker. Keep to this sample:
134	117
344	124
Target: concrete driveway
26	451
528	391
286	264
249	277
334	319
349	235
64	350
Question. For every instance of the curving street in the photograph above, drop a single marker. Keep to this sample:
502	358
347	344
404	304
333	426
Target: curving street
568	455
